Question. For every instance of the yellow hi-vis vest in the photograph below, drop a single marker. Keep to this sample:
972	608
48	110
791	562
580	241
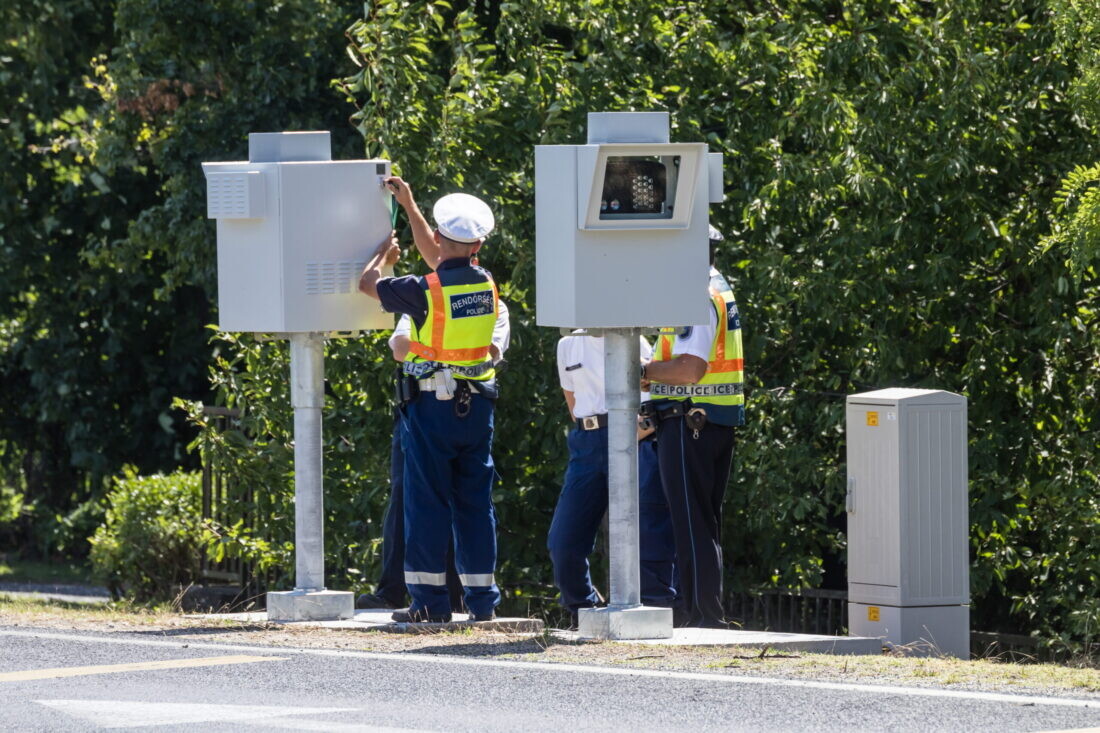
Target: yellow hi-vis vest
723	385
458	329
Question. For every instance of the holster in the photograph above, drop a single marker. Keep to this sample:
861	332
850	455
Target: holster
695	417
648	414
406	389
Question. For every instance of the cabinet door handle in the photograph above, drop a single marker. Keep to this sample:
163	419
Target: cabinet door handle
850	497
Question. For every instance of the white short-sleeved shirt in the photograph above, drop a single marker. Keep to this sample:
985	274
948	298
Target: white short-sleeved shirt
697	340
580	371
502	330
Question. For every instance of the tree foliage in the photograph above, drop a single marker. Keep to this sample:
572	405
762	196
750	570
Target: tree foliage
891	171
107	275
1076	228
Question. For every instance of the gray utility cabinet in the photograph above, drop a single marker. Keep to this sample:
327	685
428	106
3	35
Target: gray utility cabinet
295	229
908	561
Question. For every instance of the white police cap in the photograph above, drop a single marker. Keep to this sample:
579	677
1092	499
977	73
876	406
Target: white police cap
463	218
715	235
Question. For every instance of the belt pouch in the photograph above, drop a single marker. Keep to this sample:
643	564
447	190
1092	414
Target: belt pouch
695	418
444	385
487	388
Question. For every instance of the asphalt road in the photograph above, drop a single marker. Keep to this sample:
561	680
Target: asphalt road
235	687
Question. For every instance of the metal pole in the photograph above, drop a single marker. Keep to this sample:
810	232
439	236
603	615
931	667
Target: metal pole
307	395
620	375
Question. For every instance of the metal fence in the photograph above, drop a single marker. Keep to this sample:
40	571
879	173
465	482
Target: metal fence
226	504
805	611
816	611
808	611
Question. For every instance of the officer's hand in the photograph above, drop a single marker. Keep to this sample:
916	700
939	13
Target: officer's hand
645	428
393	254
388	249
400	190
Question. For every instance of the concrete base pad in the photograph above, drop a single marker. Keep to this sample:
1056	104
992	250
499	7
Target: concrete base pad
772	640
378	619
638	622
300	605
919	631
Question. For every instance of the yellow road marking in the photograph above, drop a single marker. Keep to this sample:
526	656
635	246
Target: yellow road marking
46	674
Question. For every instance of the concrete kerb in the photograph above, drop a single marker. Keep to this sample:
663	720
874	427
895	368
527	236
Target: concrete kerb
773	640
378	619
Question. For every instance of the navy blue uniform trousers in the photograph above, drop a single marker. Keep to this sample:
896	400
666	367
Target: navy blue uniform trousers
694	471
577	517
391	585
448	499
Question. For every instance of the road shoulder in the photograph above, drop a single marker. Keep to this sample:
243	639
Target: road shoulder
1077	681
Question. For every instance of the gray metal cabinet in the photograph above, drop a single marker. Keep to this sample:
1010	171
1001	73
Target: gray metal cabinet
295	230
907	508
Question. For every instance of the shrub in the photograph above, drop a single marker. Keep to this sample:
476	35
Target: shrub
13	509
151	541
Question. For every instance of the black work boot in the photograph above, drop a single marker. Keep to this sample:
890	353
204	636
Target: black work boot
483	616
408	615
373	600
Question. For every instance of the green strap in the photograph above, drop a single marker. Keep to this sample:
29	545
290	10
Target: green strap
393	212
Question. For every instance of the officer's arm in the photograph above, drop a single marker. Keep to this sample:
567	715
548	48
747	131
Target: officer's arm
386	253
570	401
502	332
400	339
423	235
399	345
684	369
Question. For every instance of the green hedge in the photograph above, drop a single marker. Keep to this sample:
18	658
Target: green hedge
150	544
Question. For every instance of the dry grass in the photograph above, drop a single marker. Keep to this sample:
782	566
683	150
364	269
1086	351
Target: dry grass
894	668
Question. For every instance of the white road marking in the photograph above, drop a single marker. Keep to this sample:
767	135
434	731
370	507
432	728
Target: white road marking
129	714
582	669
326	726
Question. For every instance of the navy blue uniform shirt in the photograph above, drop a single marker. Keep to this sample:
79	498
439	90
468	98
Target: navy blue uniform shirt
409	294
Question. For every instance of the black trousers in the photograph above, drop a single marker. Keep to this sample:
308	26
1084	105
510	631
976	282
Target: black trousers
694	471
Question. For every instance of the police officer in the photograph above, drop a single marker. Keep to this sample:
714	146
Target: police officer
447	415
696	380
390	590
584	497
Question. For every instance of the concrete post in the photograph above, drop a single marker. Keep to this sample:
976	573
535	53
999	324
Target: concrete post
309	600
625	617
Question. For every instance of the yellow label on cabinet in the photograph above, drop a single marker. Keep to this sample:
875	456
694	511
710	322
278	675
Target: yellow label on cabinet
872	417
872	613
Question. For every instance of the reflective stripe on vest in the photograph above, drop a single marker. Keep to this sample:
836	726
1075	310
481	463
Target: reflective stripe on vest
421	369
458	328
723	382
694	390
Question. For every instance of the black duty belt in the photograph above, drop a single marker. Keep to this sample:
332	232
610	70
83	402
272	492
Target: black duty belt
695	417
422	369
594	422
669	410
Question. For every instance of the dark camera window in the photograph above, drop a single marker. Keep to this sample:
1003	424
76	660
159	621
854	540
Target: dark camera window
637	187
